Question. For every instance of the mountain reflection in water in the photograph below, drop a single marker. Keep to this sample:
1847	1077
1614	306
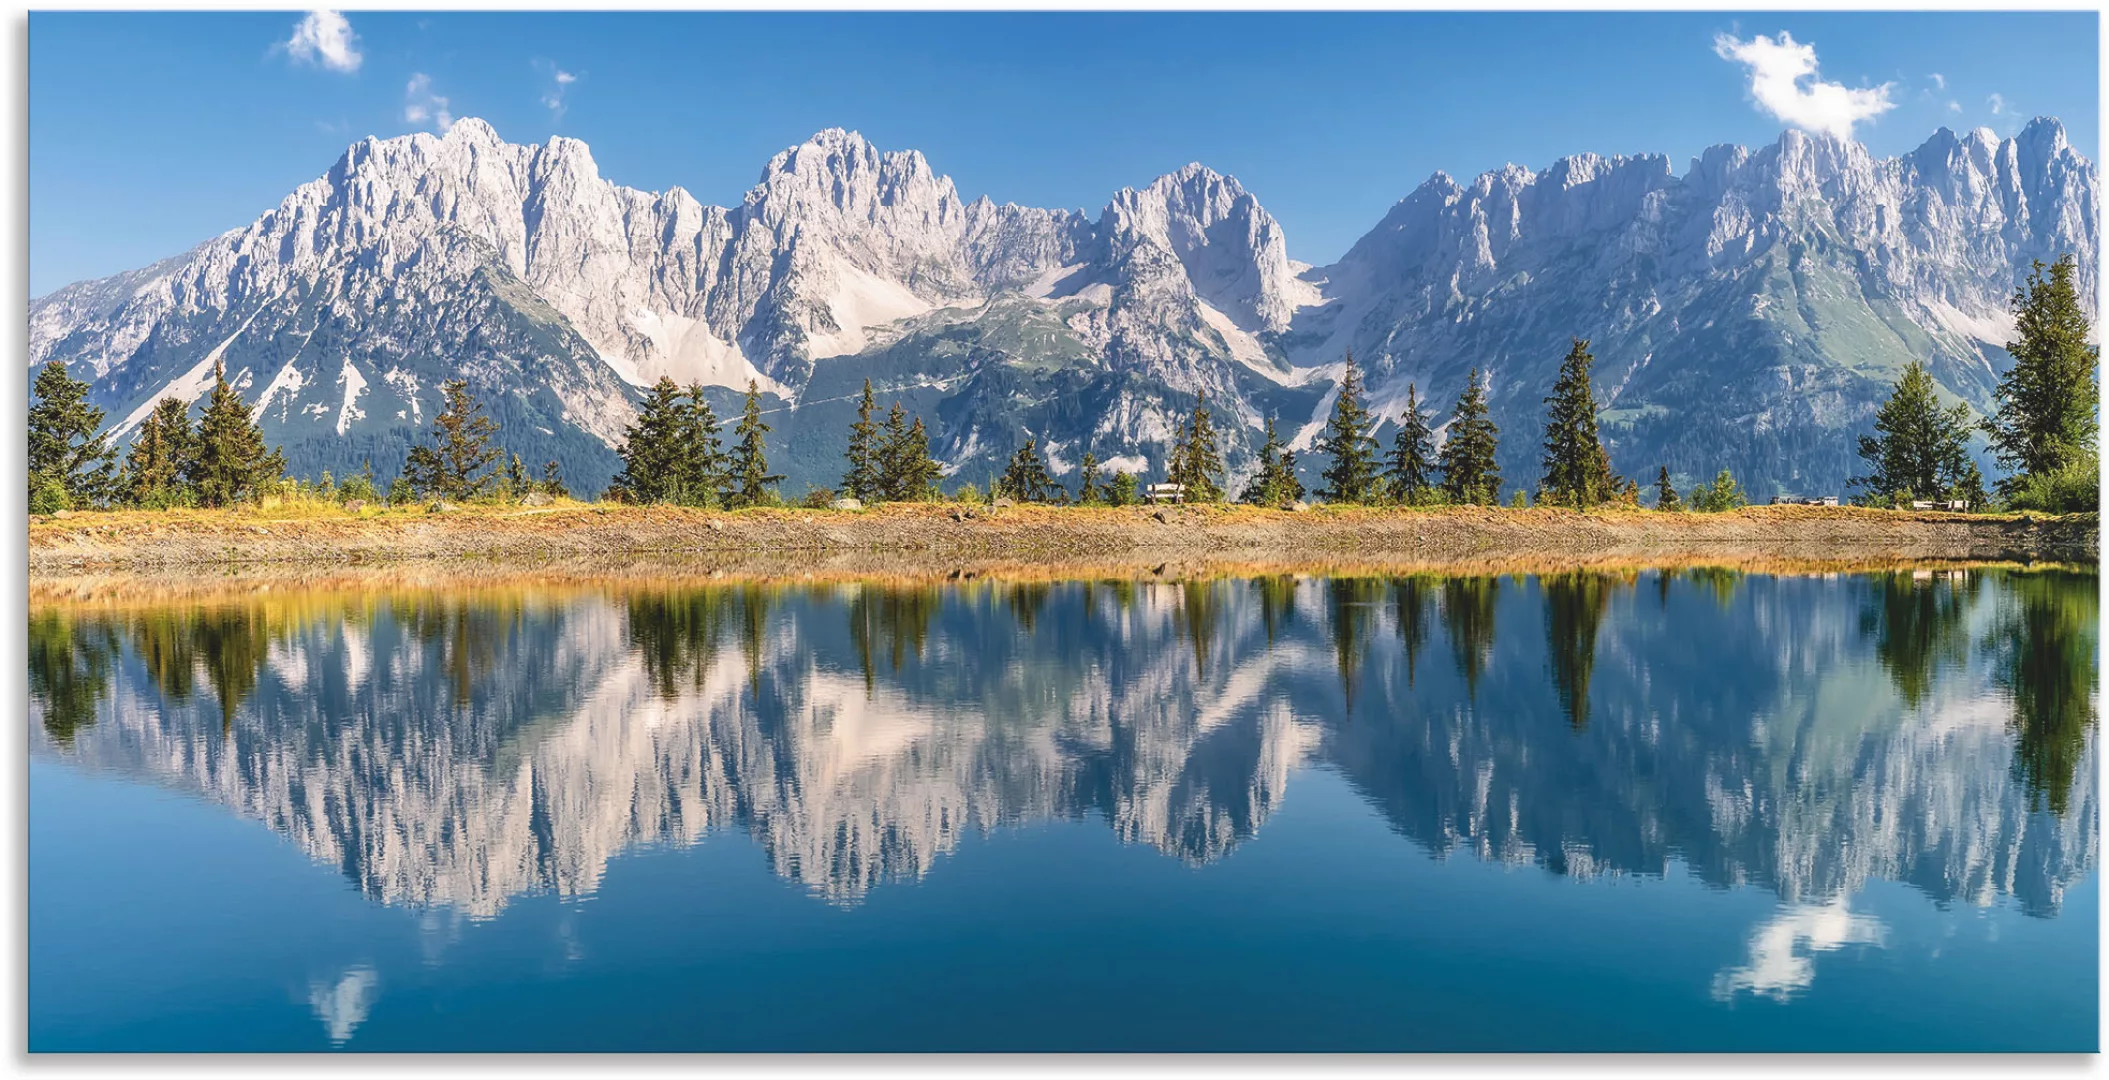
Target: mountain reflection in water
1806	734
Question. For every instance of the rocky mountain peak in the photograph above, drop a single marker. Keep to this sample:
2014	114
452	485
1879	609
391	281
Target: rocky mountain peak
417	257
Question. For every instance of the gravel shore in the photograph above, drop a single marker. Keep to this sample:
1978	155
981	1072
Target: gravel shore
915	538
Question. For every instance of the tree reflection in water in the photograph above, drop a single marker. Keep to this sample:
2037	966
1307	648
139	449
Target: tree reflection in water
1801	733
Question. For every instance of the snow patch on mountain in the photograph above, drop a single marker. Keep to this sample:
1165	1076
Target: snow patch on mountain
354	383
287	382
862	301
187	388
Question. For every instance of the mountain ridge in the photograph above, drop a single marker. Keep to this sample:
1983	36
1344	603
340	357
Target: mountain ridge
1746	314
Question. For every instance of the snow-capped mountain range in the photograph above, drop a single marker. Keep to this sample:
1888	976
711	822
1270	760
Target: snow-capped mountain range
1748	313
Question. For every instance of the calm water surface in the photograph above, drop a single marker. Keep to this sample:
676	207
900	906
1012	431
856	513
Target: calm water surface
1661	811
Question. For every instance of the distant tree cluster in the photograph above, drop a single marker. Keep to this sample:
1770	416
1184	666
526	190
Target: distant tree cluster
674	452
889	463
221	458
219	461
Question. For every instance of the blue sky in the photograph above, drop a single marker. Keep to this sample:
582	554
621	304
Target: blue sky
152	132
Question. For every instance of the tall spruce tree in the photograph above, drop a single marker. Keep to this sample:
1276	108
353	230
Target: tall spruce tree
458	464
1412	470
164	456
552	481
908	474
653	450
889	455
232	463
862	481
750	475
70	464
2046	418
1352	475
1025	479
1467	459
1577	467
1666	492
705	468
1920	449
1197	459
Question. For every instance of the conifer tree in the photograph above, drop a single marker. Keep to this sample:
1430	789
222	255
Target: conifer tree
552	481
654	450
459	462
863	480
1197	459
515	478
164	455
1467	459
232	464
1289	489
1275	483
888	454
70	464
750	475
2046	418
1577	468
1919	449
1352	475
705	464
1666	492
1025	479
1412	452
1088	493
1721	495
908	472
1120	491
707	460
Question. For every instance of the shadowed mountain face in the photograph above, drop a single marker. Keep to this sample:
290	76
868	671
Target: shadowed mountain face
1749	313
1806	735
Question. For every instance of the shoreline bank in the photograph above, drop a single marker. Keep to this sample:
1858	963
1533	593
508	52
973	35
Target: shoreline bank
925	537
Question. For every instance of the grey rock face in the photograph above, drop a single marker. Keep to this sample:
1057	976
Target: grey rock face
1746	314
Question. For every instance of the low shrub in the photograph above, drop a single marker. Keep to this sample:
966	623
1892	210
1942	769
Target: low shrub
2073	489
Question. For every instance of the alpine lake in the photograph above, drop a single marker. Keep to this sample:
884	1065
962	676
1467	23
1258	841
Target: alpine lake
1628	809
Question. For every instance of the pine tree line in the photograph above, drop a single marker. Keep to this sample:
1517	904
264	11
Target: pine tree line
222	460
890	462
2044	431
674	452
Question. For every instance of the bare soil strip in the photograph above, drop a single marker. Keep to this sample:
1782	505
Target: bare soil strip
576	541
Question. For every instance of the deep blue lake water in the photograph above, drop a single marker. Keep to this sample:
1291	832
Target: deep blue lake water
1696	810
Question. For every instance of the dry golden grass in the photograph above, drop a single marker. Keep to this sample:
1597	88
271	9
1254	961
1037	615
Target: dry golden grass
487	581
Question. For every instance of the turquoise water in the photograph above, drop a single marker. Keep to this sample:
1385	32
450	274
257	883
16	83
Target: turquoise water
1642	811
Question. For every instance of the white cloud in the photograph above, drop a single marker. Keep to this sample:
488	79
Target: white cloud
1998	104
1784	82
1940	81
1783	948
421	106
344	1006
559	82
1955	106
325	39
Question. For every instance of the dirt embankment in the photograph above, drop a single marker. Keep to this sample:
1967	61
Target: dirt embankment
924	536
